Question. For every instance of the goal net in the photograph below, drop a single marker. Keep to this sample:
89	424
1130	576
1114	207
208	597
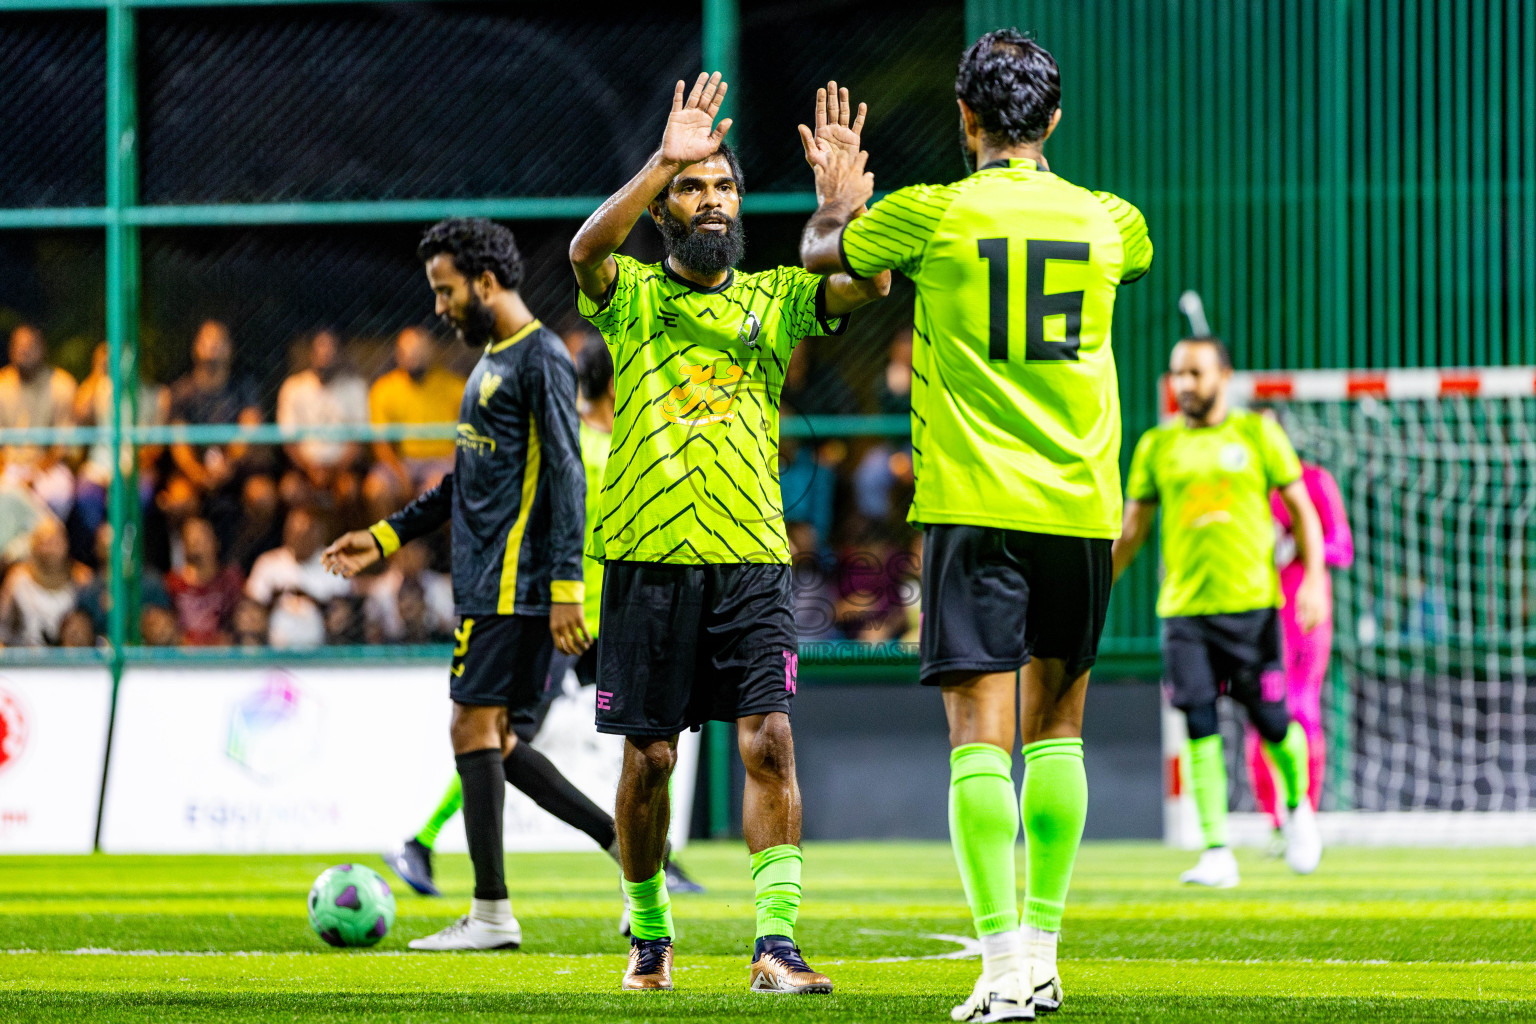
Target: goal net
1430	711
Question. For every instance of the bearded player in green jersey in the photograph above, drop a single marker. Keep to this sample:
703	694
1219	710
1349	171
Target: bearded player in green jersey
1211	472
1015	447
697	608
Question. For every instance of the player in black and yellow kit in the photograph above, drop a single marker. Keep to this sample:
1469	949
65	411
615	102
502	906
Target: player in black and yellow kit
697	619
516	499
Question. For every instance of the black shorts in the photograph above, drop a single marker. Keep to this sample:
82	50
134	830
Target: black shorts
1239	654
526	722
993	599
501	661
687	644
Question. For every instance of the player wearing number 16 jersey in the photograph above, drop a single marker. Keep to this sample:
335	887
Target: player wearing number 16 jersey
1016	446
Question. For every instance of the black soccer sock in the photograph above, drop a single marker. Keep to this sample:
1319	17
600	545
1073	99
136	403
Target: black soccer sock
532	773
484	794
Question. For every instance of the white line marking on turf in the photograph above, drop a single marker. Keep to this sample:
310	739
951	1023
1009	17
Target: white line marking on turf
969	947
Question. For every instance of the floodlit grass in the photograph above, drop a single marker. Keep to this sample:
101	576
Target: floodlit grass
1375	935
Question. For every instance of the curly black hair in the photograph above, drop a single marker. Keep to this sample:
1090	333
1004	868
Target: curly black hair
594	369
731	160
1012	84
476	245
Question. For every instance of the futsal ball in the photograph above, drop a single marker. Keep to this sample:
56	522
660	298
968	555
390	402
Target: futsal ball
351	905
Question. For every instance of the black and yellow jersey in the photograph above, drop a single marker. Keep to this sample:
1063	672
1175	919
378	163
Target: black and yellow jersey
517	493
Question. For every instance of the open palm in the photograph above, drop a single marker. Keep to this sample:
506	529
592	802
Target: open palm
837	127
691	134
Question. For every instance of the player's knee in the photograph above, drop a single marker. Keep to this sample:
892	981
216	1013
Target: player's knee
650	763
1271	720
474	728
768	750
1201	721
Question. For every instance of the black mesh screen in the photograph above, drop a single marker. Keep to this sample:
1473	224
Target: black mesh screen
52	120
899	57
56	280
402	100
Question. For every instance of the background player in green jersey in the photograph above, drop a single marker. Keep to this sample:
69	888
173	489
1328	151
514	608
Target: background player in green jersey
697	607
527	769
1211	472
1016	443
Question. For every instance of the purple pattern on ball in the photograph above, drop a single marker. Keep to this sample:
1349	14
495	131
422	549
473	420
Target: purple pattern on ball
349	898
332	937
379	928
344	867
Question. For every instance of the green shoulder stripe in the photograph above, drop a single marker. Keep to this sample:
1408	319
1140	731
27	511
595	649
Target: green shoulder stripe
1133	236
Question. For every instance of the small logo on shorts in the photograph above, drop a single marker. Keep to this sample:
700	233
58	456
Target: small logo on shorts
791	670
604	700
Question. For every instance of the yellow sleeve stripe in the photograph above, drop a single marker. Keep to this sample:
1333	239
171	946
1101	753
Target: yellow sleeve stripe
568	591
1133	236
506	603
389	540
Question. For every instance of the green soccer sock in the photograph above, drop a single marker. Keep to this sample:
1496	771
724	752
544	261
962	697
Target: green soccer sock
1208	776
1289	757
776	873
1054	803
452	800
650	908
983	828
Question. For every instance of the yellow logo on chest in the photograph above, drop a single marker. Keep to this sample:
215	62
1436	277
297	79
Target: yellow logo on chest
488	385
703	397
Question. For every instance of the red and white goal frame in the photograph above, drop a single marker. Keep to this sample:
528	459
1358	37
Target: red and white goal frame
1353	385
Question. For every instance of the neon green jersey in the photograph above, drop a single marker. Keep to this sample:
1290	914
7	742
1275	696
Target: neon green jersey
693	476
594	458
1015	408
1218	534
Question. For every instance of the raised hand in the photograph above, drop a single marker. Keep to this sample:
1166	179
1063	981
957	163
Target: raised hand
841	180
691	134
833	130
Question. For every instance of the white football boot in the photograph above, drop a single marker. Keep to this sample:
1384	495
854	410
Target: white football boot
1216	868
994	1000
1303	842
1040	964
470	933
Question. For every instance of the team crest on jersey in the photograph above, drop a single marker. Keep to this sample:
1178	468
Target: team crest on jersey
750	330
1233	457
705	397
472	439
488	385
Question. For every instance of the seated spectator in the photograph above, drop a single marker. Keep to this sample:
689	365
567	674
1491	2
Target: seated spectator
35	394
211	393
872	582
324	395
385	620
94	408
157	627
39	592
178	501
293	585
96	596
77	630
261	522
422	626
343	621
203	591
415	391
249	623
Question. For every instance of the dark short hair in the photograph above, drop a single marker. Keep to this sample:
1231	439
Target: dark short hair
1223	354
1012	84
731	160
594	369
476	245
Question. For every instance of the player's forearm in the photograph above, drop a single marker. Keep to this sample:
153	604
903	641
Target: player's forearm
1308	530
820	242
611	223
1135	526
429	511
846	293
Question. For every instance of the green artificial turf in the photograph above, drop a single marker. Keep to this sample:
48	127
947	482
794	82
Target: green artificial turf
1374	935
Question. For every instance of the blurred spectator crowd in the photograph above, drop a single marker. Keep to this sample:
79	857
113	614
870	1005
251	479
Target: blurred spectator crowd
232	533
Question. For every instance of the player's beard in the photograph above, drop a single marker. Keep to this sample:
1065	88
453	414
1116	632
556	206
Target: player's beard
703	252
478	328
966	153
1195	407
